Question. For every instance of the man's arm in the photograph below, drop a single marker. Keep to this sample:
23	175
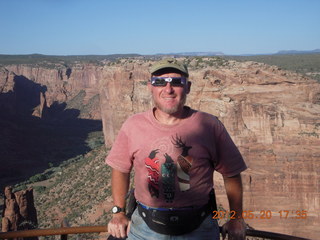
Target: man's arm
236	228
117	226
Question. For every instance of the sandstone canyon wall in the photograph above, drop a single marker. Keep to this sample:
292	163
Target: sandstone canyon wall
271	114
58	84
46	116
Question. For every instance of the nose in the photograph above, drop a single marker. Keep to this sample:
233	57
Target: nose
168	88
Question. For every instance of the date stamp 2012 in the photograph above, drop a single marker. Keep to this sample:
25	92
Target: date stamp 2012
262	214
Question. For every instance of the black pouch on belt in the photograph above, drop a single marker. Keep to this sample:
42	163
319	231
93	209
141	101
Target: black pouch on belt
176	222
173	222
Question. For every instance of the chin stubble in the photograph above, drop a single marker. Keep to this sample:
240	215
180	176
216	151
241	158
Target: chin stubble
173	109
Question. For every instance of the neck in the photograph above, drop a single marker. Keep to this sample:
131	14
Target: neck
169	119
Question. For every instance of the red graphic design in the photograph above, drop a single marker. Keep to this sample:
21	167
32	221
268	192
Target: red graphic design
152	164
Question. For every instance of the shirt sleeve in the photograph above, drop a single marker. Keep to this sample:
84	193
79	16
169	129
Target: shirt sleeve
119	157
230	161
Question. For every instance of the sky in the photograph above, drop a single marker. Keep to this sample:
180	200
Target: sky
100	27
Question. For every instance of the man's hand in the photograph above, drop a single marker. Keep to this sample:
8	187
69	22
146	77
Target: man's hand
119	225
236	229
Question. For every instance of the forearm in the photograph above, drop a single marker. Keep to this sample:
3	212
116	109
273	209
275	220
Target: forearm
234	190
236	227
120	185
117	226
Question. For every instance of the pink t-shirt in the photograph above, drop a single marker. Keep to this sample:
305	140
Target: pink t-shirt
174	164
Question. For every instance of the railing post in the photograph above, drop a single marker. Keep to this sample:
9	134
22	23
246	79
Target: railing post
64	223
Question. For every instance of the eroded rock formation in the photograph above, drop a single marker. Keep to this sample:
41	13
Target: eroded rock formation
19	212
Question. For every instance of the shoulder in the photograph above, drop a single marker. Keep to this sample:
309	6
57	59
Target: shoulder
138	117
209	121
205	117
136	120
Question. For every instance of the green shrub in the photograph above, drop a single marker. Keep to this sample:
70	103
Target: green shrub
37	178
40	189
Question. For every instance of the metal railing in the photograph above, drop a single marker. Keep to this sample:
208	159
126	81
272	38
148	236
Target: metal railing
63	231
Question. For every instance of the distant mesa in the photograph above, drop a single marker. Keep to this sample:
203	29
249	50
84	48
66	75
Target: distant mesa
284	52
195	54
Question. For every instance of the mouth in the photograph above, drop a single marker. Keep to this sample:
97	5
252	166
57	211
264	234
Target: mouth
168	97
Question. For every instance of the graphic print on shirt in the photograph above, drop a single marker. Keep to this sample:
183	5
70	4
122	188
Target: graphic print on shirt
184	163
152	164
162	177
168	176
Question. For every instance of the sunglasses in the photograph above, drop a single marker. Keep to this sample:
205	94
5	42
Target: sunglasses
174	81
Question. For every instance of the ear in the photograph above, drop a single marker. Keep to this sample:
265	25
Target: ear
188	87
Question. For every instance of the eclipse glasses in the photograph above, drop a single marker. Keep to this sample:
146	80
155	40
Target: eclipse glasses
174	81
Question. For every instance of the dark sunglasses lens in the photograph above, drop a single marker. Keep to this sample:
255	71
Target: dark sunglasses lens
177	82
159	82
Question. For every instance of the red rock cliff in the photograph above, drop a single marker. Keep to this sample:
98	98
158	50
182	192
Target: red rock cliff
272	115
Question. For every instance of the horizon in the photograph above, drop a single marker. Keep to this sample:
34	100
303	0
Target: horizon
182	54
66	28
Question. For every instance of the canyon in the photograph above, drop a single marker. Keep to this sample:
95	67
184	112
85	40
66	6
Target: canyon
273	116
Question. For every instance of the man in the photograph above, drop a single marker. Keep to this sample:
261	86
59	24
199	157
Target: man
174	151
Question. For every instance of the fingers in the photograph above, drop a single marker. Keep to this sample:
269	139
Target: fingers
117	227
233	233
236	230
128	228
123	231
118	231
234	237
223	231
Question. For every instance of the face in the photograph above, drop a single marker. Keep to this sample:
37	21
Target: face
169	99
